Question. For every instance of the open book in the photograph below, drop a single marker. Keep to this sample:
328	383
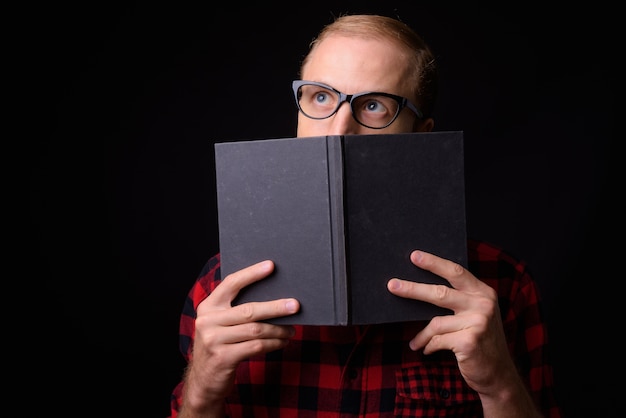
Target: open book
339	216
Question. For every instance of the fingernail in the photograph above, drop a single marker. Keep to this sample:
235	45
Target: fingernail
266	265
291	306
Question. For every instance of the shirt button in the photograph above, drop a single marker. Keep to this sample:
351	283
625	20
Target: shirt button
353	374
444	393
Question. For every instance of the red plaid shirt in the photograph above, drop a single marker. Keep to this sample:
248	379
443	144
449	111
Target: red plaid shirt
369	371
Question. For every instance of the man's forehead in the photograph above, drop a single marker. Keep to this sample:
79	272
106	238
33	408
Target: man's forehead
356	64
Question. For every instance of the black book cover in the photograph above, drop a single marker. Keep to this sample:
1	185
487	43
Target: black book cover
339	216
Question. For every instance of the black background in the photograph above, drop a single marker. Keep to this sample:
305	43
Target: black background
133	96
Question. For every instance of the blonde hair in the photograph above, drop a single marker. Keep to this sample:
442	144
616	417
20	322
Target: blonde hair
422	60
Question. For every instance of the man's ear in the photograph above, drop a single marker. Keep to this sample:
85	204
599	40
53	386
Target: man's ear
423	125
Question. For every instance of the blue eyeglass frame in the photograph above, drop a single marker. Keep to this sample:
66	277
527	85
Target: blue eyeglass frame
402	101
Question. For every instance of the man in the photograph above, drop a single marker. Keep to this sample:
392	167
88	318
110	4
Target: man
487	359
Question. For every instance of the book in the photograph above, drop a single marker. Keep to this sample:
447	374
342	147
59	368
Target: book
340	215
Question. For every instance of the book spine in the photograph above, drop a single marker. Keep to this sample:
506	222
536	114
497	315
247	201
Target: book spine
334	149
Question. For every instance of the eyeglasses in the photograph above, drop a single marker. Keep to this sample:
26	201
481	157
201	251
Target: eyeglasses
371	109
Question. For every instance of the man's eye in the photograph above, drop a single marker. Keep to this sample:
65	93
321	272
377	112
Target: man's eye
374	106
321	97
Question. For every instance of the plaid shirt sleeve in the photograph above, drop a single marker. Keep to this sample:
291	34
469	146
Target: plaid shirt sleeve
522	318
207	281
